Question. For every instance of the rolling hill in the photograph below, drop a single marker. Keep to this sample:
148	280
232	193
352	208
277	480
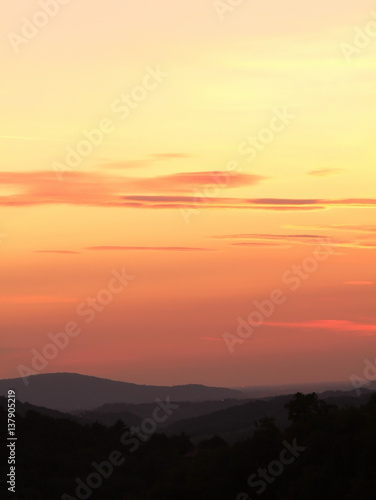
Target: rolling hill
71	391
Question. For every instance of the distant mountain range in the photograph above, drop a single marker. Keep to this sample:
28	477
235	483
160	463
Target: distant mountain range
71	391
91	399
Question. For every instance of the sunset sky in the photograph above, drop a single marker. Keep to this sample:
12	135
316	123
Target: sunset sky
233	142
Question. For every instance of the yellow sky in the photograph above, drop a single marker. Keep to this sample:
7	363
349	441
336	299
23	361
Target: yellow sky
179	92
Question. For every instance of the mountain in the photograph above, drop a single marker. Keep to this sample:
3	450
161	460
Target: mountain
23	408
72	391
265	391
238	422
232	419
132	414
232	424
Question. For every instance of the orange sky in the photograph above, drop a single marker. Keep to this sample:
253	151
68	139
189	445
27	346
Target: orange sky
206	153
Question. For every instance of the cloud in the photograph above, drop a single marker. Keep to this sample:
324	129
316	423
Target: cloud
261	236
358	283
36	299
93	189
80	188
273	240
187	182
195	202
336	325
338	227
56	251
259	244
326	172
169	156
169	249
303	239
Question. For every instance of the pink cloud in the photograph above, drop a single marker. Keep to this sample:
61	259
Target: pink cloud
337	325
358	283
92	189
327	171
36	299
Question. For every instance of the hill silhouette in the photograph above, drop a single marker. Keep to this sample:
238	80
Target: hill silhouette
331	455
72	391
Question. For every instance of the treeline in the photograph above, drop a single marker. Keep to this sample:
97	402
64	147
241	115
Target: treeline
325	453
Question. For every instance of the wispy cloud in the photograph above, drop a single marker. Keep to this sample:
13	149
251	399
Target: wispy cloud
358	283
56	251
260	239
130	248
188	181
151	201
79	188
336	325
337	227
326	172
263	236
35	299
258	244
93	189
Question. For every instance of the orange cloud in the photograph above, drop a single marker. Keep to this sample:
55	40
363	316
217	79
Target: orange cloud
172	249
338	227
79	188
56	251
258	244
305	239
186	182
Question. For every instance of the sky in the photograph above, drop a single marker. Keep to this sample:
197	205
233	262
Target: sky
187	190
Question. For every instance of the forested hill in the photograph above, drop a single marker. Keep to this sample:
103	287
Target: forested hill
325	452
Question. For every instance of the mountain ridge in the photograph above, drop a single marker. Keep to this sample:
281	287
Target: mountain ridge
67	391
